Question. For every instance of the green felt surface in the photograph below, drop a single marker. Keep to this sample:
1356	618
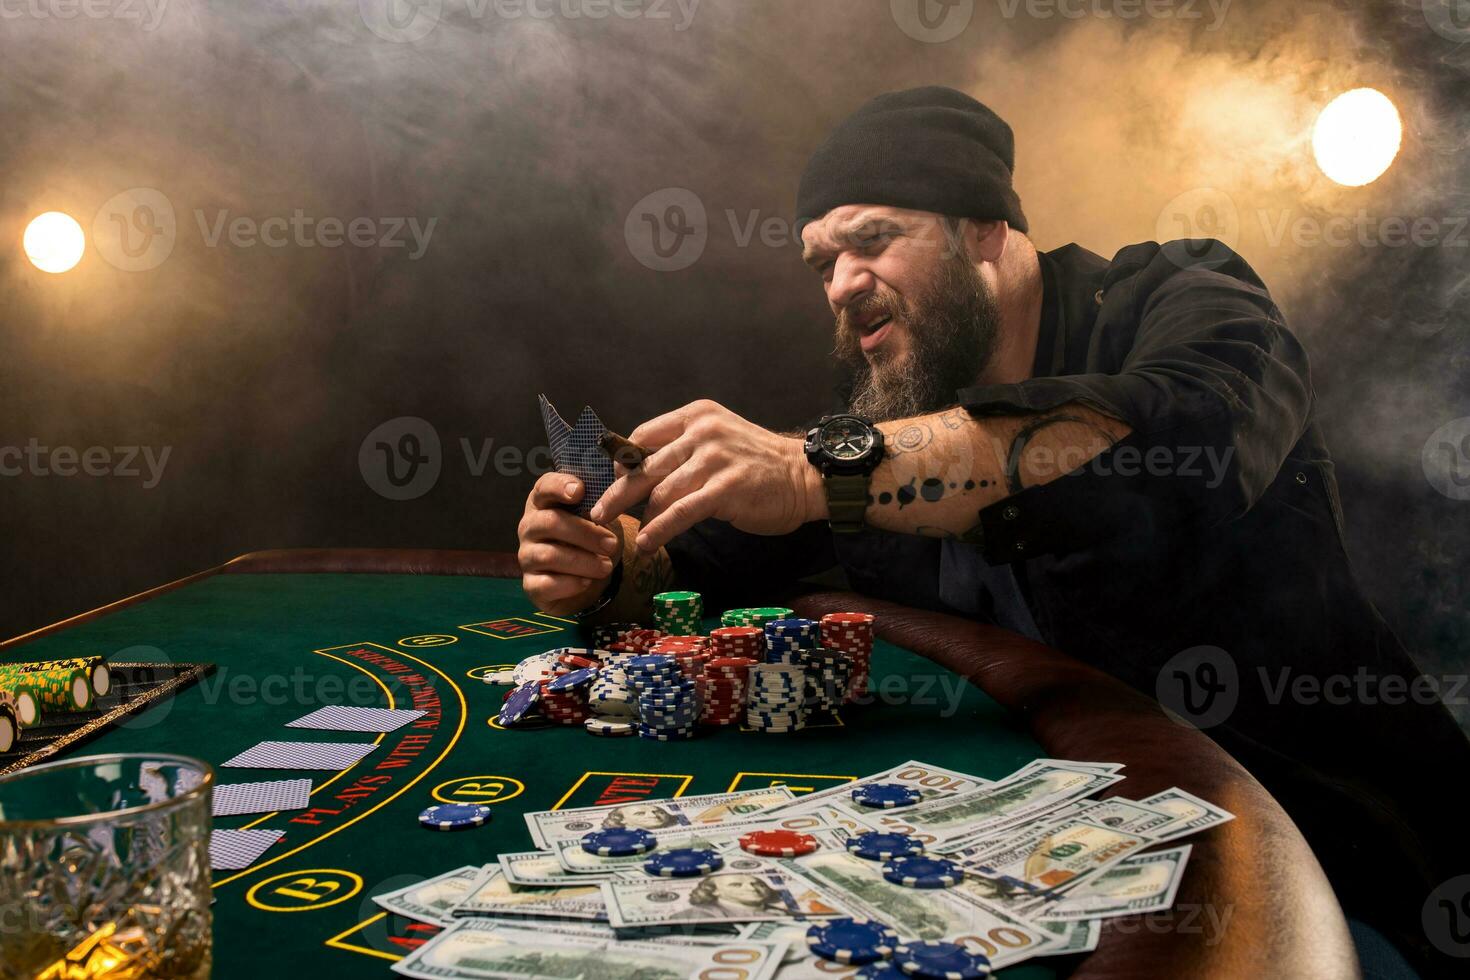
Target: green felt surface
288	644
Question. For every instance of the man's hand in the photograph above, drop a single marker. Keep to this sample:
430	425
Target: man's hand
565	559
710	462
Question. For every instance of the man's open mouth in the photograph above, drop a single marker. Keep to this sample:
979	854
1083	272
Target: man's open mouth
873	333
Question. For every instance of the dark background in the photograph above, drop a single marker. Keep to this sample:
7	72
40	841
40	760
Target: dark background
533	143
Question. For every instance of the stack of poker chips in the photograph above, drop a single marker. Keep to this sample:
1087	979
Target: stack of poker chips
691	652
758	616
789	641
607	634
828	680
777	701
564	696
9	722
851	633
678	613
609	697
57	686
668	702
726	678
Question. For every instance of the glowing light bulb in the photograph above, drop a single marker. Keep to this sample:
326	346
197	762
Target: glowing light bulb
1357	137
54	242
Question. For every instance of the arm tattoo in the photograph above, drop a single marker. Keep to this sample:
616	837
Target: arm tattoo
910	439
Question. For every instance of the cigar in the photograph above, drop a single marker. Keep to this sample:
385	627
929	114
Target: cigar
620	450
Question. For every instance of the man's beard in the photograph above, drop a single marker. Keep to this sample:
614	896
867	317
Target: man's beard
953	328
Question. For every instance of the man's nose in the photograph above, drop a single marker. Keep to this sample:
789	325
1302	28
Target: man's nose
851	282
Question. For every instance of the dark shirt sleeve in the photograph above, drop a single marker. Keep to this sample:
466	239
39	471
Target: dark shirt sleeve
732	568
1200	364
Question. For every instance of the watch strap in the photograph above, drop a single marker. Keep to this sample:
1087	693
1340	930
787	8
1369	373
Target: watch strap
847	501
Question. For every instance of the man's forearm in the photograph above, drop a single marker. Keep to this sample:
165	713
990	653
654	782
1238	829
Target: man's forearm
939	471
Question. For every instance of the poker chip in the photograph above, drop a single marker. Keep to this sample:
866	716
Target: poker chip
573	661
922	872
611	727
857	941
499	677
778	843
454	816
618	842
519	703
683	862
882	847
933	959
886	796
881	970
573	680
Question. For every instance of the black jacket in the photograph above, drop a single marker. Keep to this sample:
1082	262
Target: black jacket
1201	560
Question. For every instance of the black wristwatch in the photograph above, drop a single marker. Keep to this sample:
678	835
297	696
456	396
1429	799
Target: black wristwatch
846	449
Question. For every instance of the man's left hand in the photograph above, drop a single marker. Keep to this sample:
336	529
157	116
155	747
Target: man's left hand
709	462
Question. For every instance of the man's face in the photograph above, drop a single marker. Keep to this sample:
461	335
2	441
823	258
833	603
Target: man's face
914	320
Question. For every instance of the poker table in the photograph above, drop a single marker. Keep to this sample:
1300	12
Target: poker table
291	631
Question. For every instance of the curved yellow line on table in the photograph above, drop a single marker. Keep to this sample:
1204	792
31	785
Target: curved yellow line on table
453	741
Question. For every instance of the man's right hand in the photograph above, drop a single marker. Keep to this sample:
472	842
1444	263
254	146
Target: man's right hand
566	560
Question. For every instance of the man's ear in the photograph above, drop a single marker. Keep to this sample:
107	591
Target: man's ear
985	241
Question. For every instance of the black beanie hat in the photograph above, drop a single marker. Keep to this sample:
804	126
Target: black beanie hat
928	149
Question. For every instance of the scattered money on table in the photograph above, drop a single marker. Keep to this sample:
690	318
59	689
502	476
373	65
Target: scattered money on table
916	870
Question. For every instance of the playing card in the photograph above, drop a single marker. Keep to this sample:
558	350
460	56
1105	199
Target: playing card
574	452
348	719
300	755
234	850
233	799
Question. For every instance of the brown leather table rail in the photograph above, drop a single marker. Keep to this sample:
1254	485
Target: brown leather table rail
1284	920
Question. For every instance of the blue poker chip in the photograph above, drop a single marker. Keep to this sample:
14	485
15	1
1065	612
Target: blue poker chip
856	941
886	796
520	703
932	959
881	970
455	816
923	872
881	847
574	679
618	842
683	862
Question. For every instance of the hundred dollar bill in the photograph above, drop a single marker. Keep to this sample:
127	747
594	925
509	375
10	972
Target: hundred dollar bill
1119	813
430	901
930	780
1044	861
541	868
493	895
725	836
1142	883
548	826
1191	814
1071	937
941	913
746	890
479	949
959	821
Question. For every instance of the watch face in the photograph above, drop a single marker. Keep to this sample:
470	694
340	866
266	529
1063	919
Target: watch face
846	438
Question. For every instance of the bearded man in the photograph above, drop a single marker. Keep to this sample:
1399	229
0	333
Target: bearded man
1117	458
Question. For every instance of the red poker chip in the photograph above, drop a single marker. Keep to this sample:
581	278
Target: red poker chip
732	663
573	662
778	843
